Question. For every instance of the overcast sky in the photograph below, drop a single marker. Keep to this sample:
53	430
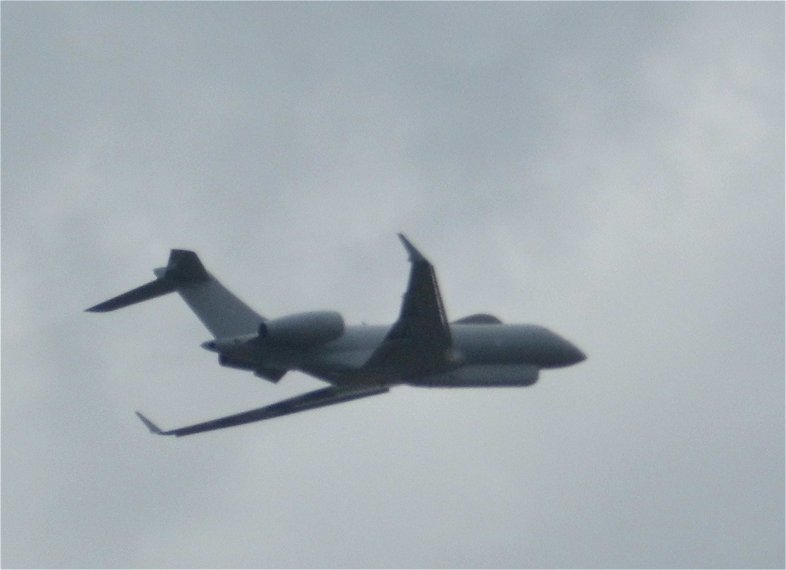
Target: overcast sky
614	171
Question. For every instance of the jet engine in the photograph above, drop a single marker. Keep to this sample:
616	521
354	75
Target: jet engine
303	329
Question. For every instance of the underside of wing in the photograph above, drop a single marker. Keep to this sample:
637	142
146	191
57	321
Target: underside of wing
308	401
419	342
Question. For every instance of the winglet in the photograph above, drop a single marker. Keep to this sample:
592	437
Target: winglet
150	425
414	254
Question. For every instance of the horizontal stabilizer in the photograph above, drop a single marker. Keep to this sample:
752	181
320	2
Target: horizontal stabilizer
185	268
307	401
144	293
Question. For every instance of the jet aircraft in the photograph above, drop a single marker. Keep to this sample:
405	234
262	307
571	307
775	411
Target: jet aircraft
420	349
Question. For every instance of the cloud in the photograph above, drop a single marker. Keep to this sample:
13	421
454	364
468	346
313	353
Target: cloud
614	171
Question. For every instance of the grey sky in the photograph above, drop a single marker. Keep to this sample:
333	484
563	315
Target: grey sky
611	170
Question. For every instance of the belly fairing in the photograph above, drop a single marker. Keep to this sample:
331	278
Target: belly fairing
482	375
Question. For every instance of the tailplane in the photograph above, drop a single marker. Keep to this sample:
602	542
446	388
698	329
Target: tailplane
220	311
144	293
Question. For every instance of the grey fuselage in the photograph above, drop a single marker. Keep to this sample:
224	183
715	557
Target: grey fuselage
481	355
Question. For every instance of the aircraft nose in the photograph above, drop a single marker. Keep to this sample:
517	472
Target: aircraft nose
573	353
568	353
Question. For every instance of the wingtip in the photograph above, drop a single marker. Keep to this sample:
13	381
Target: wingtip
150	425
414	254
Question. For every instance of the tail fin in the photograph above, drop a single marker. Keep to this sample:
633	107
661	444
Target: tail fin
220	311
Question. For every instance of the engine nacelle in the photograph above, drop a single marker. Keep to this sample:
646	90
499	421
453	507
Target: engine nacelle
303	329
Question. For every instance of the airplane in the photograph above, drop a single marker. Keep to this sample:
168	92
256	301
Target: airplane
420	349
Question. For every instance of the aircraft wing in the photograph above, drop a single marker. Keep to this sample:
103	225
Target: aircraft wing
307	401
419	342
